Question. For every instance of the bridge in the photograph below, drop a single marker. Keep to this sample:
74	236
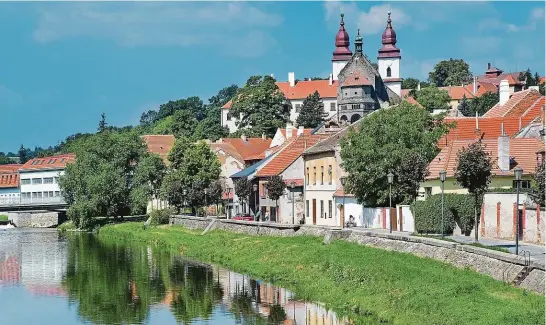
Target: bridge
28	204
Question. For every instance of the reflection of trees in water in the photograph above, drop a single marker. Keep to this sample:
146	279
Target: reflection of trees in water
276	314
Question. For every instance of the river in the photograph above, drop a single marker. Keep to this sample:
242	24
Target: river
50	278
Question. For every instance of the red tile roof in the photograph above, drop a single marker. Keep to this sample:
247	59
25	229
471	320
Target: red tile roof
457	92
10	168
340	192
51	162
159	144
522	149
511	77
516	105
286	156
249	149
302	89
465	128
405	92
484	87
297	181
536	110
8	180
295	132
413	101
356	79
228	148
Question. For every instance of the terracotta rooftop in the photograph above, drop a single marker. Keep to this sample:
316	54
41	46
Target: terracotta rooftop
302	89
288	154
356	79
250	148
340	192
458	92
495	80
228	148
297	181
159	144
10	168
8	180
520	102
522	150
491	127
295	132
536	110
51	162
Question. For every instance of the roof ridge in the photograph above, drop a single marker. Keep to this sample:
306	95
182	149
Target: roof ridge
532	106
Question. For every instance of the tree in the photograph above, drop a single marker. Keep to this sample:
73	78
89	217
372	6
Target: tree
410	173
483	103
527	76
312	112
536	79
183	124
410	83
452	72
261	105
384	142
214	193
5	160
243	189
223	96
102	123
194	105
464	107
275	188
23	158
211	127
539	185
149	174
433	98
148	118
541	88
473	172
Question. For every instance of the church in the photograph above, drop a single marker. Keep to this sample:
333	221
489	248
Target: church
354	88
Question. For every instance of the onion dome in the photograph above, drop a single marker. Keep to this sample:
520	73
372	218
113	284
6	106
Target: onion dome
342	51
389	49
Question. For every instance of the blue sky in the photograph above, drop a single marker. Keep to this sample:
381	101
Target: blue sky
62	64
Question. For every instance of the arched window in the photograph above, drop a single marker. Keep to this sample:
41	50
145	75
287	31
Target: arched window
388	71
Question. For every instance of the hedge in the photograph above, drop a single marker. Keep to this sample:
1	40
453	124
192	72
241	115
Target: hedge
458	208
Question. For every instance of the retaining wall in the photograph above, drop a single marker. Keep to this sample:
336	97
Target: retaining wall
34	219
498	265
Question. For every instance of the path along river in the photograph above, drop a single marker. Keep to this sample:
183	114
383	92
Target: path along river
50	278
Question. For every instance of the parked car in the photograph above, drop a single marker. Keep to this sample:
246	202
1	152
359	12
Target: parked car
243	216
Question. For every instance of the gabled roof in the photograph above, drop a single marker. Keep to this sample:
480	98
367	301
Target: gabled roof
522	150
9	180
332	141
458	92
290	153
295	132
46	163
251	169
520	102
340	192
470	128
159	144
249	149
228	149
485	87
535	111
10	168
356	79
511	77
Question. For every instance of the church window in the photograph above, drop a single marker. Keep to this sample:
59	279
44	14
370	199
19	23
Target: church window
332	106
355	106
388	71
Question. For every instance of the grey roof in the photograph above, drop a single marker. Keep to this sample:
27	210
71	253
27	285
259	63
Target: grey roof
250	169
533	130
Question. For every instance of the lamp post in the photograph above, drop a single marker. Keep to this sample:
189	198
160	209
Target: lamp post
293	186
255	188
343	180
518	172
185	192
205	202
390	177
228	191
443	179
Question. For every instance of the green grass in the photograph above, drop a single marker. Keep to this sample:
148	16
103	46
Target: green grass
370	285
3	217
66	226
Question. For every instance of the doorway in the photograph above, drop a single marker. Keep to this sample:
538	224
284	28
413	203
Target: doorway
342	215
314	211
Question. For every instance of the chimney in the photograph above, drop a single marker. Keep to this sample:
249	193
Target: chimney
289	130
488	66
534	87
273	76
475	88
477	124
243	137
503	151
292	79
418	86
300	131
264	137
504	92
331	79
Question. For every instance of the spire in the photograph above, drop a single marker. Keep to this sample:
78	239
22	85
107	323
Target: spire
358	43
342	51
388	39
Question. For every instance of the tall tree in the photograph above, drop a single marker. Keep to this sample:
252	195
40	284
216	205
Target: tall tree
382	142
192	104
148	118
483	103
23	158
183	124
464	107
312	112
102	123
527	76
473	172
433	98
410	83
452	72
410	173
275	188
539	185
243	189
261	105
211	127
5	160
147	180
223	96
214	193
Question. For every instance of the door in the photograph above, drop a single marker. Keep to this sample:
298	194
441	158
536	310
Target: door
342	215
400	222
520	224
393	218
314	211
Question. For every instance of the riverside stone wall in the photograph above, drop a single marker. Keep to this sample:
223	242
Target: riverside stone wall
34	219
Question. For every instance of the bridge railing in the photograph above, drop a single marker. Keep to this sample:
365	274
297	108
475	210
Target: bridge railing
10	201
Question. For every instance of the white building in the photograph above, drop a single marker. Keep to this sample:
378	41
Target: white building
9	184
39	178
296	91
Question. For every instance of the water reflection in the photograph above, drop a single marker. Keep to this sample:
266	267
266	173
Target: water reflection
111	283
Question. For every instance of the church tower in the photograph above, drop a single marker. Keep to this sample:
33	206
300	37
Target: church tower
342	53
388	61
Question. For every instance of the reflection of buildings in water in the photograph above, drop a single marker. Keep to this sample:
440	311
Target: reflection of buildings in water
44	264
10	271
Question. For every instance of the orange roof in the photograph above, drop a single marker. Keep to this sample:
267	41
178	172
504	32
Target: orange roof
484	87
490	127
522	149
356	79
457	92
159	144
289	154
297	181
9	180
413	101
536	110
228	148
248	149
542	80
51	162
520	102
340	192
295	132
302	89
10	168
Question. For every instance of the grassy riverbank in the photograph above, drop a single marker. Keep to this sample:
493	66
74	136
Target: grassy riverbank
370	285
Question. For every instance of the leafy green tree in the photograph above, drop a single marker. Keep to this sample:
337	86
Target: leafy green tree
214	193
539	184
149	174
541	88
527	76
452	72
223	96
464	107
183	124
433	98
243	189
194	105
261	105
148	118
23	158
536	79
5	160
382	142
410	83
312	112
211	127
483	103
102	123
410	173
275	188
473	172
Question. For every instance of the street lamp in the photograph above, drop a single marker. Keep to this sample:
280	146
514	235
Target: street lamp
205	202
343	180
443	179
255	188
390	177
228	191
293	186
185	192
518	172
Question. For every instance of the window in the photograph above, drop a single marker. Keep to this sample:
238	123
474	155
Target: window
388	71
48	180
298	108
330	174
307	208
322	209
355	106
36	181
25	195
56	180
356	93
523	184
57	193
332	107
321	175
330	209
315	175
307	175
25	181
264	190
228	117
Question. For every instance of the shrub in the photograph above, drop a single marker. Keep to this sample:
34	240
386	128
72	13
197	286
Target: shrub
161	217
458	209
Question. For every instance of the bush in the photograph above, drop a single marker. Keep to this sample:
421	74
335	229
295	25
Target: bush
161	217
458	208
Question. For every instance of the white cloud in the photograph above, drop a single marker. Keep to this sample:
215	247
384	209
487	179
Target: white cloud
536	15
228	26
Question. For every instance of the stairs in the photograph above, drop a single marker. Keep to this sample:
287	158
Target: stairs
522	275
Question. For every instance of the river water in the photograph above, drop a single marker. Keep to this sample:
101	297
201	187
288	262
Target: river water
50	278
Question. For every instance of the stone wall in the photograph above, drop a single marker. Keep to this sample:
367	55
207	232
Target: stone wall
34	219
